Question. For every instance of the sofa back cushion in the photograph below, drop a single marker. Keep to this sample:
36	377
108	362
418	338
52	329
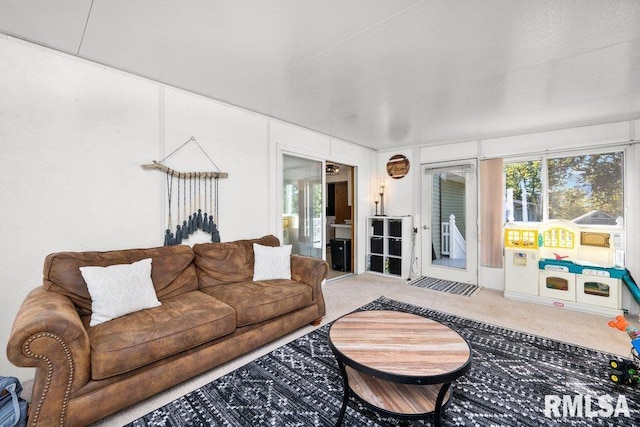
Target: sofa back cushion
229	262
172	271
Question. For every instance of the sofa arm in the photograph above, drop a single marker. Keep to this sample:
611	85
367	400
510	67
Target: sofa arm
312	272
48	334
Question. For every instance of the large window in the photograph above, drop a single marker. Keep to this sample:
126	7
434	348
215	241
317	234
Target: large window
585	189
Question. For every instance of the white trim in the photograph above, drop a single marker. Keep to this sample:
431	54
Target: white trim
462	168
561	304
615	133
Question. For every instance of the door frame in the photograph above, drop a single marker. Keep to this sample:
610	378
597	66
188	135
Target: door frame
352	190
288	151
469	274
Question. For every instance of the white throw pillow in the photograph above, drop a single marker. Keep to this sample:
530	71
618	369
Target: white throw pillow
119	289
271	262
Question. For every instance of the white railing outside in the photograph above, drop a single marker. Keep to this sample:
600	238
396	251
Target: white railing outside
453	244
445	231
317	232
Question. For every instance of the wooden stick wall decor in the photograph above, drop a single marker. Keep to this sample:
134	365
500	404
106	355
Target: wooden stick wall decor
196	200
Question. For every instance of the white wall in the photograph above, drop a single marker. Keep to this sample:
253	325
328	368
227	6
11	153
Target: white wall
72	138
398	193
73	135
237	142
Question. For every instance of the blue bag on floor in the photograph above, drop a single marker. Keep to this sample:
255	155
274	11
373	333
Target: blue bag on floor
13	409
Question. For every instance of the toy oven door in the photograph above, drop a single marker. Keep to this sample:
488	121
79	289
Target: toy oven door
557	285
600	291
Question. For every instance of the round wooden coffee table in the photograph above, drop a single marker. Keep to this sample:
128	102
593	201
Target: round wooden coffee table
399	364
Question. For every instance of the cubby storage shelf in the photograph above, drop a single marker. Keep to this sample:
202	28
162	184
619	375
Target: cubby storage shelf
389	245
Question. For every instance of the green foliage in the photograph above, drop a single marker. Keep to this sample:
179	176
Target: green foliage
581	184
317	200
291	197
529	172
577	185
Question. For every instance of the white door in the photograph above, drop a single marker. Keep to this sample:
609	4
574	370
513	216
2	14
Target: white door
449	221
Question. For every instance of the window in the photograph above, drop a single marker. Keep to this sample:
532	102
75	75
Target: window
523	191
585	189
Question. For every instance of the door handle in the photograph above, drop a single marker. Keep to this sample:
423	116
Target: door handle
424	227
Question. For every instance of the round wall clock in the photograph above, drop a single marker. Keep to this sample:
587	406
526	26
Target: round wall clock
398	166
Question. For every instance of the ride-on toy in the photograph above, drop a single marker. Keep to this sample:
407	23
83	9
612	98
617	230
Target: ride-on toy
627	372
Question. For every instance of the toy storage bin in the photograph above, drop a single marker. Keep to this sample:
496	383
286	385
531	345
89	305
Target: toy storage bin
377	245
376	263
378	227
395	228
395	247
558	285
395	266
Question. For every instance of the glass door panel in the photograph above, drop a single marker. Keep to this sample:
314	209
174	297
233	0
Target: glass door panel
449	235
302	213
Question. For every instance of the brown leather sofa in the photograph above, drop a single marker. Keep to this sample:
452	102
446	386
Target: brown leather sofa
212	311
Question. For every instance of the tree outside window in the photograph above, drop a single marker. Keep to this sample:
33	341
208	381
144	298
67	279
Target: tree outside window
524	191
587	189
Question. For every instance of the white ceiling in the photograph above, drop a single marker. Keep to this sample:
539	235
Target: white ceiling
379	73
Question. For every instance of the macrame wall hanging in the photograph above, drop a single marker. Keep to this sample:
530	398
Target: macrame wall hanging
192	200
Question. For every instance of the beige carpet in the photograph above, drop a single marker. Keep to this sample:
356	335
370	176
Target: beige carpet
486	305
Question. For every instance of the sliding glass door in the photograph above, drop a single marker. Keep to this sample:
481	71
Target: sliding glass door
302	209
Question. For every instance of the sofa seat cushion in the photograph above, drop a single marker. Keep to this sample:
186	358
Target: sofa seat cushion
137	339
258	301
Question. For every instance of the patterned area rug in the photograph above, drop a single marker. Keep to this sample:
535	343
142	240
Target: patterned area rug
299	384
456	288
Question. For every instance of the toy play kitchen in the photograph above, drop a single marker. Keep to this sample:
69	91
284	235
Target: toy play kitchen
568	265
